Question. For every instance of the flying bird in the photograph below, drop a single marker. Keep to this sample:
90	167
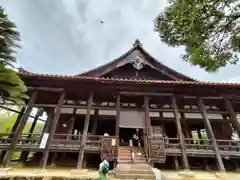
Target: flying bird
102	22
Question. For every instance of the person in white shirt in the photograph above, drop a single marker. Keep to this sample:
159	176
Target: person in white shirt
235	137
236	140
105	134
135	139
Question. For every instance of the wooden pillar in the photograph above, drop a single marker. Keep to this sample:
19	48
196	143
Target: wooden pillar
147	116
71	124
34	123
206	165
147	130
24	154
233	115
54	158
17	122
180	133
19	130
48	122
176	162
185	127
95	121
118	108
53	127
70	128
85	131
211	134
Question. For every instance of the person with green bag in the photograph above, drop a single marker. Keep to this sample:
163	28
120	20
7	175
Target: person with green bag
103	170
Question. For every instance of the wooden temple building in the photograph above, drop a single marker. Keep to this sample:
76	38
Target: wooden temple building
185	123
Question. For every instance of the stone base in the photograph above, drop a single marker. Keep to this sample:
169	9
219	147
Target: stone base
78	171
222	176
186	173
39	171
5	169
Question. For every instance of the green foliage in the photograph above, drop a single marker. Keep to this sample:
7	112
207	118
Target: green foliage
7	122
11	85
209	29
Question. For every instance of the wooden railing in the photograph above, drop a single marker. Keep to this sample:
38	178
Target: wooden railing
70	141
6	138
228	145
199	146
60	142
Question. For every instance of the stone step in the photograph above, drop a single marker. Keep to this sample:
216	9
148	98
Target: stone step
124	153
134	171
130	161
129	158
124	149
128	153
134	176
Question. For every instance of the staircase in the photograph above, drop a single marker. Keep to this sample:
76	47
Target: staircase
126	169
157	152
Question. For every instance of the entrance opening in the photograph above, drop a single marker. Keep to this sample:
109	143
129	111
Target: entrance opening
127	134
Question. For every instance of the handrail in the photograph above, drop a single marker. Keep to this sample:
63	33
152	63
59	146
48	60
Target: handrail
132	155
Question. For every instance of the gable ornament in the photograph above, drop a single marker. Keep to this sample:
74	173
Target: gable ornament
137	63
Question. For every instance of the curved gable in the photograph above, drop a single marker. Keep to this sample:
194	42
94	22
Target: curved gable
136	63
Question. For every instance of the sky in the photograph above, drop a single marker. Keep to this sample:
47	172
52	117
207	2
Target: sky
67	36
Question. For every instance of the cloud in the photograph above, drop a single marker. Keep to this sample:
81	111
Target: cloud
67	37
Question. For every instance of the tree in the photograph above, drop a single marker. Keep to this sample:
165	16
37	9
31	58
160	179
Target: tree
208	29
11	85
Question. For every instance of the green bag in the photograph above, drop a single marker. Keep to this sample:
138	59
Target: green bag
105	168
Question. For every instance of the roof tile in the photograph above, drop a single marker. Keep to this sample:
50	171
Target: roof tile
74	77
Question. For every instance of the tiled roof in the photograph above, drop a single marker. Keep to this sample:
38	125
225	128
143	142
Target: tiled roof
132	80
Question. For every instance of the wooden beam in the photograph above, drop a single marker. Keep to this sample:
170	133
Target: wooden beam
85	131
180	133
207	97
18	132
49	89
211	134
45	155
233	115
131	108
126	93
